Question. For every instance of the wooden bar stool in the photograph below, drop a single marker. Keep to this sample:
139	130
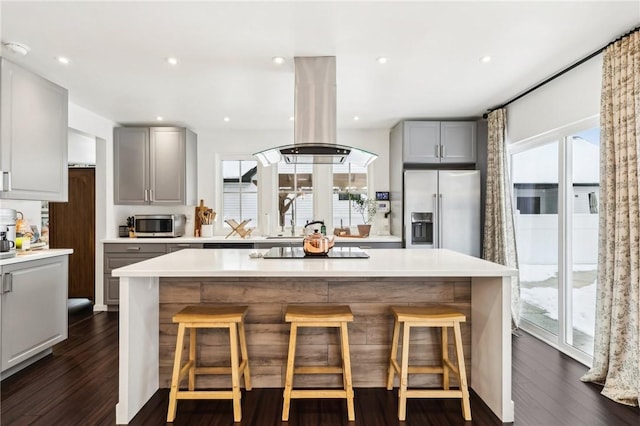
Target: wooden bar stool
443	317
192	318
319	316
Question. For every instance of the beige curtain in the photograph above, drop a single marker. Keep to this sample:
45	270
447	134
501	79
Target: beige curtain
616	358
499	236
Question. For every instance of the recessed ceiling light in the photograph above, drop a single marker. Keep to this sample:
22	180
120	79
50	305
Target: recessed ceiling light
278	60
159	118
382	60
63	60
356	118
172	61
485	59
226	119
18	48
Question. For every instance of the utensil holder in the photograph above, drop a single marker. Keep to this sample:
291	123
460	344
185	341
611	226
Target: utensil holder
206	230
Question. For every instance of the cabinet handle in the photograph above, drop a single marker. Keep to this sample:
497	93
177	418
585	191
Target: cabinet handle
437	147
5	182
7	283
183	245
442	151
146	195
151	195
133	248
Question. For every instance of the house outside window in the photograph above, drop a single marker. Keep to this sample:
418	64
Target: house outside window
240	191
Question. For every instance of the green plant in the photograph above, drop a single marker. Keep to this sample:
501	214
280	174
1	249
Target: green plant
367	207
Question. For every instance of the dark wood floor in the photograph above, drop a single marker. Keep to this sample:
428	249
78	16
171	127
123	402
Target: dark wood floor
78	385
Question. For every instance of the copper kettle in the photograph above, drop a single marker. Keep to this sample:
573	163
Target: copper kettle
315	243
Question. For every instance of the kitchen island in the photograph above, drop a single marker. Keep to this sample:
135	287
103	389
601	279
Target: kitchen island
153	290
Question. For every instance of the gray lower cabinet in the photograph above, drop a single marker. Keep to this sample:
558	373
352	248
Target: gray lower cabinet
371	245
117	255
180	246
33	308
435	142
33	136
155	165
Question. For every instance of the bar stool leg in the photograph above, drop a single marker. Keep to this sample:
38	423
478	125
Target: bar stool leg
245	356
288	384
394	354
462	373
445	357
173	393
235	376
346	368
404	373
192	358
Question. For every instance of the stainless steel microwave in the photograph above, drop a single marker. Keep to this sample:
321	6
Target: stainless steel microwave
160	225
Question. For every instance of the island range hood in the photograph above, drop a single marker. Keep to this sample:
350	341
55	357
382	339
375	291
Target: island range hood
315	120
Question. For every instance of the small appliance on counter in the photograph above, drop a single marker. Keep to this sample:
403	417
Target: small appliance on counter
316	244
7	233
160	225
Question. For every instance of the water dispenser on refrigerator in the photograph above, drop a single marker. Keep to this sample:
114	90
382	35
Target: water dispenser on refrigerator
422	228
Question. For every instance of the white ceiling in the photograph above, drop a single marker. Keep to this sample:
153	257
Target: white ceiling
118	51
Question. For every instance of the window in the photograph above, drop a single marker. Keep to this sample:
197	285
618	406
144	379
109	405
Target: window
347	179
240	190
295	194
535	181
556	192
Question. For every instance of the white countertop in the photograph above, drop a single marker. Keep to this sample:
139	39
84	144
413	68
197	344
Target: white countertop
26	256
252	239
381	263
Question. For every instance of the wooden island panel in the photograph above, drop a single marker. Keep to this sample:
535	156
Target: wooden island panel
268	334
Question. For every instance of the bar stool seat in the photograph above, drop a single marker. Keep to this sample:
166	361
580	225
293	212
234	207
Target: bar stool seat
193	318
319	316
442	317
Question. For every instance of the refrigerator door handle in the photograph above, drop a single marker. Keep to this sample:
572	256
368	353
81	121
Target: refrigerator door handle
441	237
436	217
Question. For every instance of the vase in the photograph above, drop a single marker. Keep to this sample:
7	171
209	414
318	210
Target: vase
364	230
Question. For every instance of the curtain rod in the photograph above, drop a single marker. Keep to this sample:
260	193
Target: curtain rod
561	72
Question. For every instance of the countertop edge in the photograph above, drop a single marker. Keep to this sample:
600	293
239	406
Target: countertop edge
35	255
382	263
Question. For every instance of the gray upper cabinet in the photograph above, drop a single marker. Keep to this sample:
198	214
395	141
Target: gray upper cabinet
431	142
421	142
155	165
33	136
458	142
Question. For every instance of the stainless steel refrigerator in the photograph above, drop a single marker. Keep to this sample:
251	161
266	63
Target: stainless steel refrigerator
442	210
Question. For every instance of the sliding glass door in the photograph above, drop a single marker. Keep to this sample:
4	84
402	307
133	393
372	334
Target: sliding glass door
535	179
556	193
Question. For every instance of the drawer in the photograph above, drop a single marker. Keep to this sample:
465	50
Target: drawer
179	246
114	260
133	247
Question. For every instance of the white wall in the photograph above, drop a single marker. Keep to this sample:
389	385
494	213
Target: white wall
82	148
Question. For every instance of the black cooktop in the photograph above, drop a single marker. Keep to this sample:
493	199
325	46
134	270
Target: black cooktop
298	253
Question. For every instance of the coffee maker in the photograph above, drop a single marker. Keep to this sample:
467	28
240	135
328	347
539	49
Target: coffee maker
7	233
